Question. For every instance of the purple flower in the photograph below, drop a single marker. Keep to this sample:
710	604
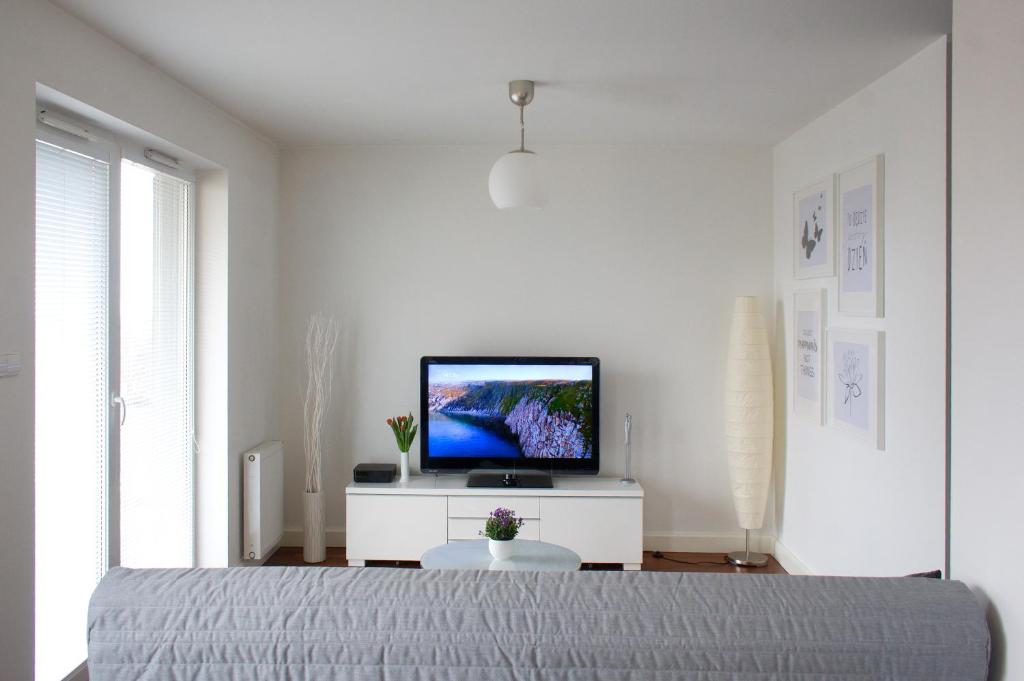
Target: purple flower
502	524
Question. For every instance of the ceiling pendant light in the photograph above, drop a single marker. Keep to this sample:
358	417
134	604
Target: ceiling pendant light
515	180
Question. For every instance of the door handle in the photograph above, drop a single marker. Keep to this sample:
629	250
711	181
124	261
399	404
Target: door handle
122	406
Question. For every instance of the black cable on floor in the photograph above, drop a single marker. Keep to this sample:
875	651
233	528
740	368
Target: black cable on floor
661	556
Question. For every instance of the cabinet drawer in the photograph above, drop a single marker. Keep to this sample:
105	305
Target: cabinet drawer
390	527
601	530
481	507
469	528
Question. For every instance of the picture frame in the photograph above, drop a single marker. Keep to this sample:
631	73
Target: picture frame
809	310
814	230
860	241
856	379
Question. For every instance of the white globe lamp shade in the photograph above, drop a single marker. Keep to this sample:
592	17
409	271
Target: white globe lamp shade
516	181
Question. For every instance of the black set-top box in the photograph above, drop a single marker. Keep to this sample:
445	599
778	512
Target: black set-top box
374	472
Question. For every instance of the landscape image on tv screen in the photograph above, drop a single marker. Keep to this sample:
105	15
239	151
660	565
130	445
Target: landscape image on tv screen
510	411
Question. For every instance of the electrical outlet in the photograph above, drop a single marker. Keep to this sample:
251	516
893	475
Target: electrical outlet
10	364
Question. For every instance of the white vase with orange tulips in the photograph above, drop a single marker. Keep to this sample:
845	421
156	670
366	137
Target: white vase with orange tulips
404	429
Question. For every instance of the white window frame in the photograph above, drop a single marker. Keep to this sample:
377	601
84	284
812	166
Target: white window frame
113	148
136	154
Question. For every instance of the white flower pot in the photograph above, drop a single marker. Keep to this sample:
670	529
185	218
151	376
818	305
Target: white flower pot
501	549
314	546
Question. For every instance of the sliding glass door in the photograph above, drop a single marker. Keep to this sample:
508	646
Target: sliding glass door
114	381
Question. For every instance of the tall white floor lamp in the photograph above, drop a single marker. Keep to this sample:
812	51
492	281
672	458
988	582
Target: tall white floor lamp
749	422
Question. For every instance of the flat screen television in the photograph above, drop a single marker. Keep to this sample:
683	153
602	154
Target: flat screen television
510	412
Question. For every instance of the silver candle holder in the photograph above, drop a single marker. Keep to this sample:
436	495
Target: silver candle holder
627	473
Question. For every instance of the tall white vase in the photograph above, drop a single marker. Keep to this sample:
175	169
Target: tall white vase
749	418
314	546
404	460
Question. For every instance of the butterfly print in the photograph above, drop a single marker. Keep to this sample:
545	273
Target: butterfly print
812	237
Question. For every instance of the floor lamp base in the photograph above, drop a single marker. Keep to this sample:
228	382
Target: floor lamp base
747	559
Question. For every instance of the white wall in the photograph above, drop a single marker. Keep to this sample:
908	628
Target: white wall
212	506
845	508
987	290
636	260
40	43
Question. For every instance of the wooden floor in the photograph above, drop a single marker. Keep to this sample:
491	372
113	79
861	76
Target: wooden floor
671	562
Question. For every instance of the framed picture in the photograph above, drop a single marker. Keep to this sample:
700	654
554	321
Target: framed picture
861	246
856	376
814	231
808	353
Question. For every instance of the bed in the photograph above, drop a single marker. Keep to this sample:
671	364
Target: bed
309	623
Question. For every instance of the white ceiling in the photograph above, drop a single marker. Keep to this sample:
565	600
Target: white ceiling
435	72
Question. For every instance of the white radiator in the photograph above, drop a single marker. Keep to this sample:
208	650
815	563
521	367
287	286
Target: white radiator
263	486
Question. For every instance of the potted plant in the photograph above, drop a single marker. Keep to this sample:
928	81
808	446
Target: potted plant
405	432
501	529
321	339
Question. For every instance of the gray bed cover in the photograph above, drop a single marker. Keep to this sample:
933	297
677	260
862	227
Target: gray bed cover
396	624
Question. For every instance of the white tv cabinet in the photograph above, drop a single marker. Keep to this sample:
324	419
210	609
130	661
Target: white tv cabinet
599	518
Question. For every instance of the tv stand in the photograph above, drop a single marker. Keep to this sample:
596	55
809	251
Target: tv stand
599	518
516	479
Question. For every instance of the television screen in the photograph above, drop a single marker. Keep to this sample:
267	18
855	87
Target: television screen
533	412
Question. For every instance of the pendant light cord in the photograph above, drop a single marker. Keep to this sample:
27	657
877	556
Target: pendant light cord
522	130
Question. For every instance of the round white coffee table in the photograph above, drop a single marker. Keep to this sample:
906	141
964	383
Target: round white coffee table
529	555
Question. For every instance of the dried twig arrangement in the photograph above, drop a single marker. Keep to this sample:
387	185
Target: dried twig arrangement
321	338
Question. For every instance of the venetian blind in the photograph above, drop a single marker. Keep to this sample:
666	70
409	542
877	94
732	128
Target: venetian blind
71	397
156	369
